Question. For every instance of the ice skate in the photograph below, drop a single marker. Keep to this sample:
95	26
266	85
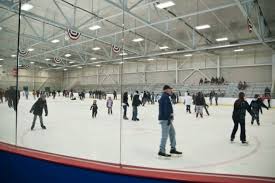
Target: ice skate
162	155
175	153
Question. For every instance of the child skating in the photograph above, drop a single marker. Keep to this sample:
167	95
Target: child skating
94	109
109	105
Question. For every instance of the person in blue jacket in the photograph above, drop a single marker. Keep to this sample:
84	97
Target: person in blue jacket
166	117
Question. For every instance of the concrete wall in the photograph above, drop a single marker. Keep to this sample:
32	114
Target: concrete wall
251	66
33	78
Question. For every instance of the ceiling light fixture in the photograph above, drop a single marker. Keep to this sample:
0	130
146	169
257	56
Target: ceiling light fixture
93	58
47	59
96	48
13	56
200	27
32	62
98	65
1	59
68	55
188	55
165	4
26	7
239	50
163	47
150	59
71	62
79	67
222	39
124	53
30	49
137	39
55	41
65	69
94	27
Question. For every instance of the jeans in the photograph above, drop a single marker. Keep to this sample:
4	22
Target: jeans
165	131
135	113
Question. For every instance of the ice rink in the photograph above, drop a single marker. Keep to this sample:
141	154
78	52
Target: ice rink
72	131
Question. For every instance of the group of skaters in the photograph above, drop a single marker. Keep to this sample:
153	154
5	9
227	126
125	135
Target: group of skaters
11	97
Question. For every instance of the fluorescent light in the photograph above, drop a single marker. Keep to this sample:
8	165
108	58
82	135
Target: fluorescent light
1	28
71	62
150	59
222	39
98	65
32	62
96	48
124	53
93	58
0	65
94	27
1	59
188	55
138	39
202	27
68	55
30	49
54	65
13	55
163	47
65	69
40	67
55	41
79	67
165	4
239	50
121	62
47	59
26	7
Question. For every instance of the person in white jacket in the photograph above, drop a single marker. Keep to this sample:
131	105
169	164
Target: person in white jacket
188	101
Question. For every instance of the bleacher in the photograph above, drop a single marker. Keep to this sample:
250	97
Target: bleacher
226	90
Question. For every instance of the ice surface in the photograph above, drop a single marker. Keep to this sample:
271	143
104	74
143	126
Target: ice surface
205	143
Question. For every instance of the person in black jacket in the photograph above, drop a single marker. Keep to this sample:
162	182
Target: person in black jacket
166	117
200	103
94	109
238	116
125	104
256	105
37	110
135	103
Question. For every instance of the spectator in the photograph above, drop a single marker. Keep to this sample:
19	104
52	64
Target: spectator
240	85
201	81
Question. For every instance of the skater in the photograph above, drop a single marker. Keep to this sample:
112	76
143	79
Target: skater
256	104
115	95
54	94
109	105
211	95
166	117
125	104
34	94
200	103
1	95
37	110
135	103
94	109
240	108
216	98
188	101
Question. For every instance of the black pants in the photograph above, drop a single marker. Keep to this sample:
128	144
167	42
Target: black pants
216	100
188	109
268	100
110	111
255	116
206	110
235	129
94	113
125	111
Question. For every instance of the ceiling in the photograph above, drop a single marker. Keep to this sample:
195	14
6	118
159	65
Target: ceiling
173	27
